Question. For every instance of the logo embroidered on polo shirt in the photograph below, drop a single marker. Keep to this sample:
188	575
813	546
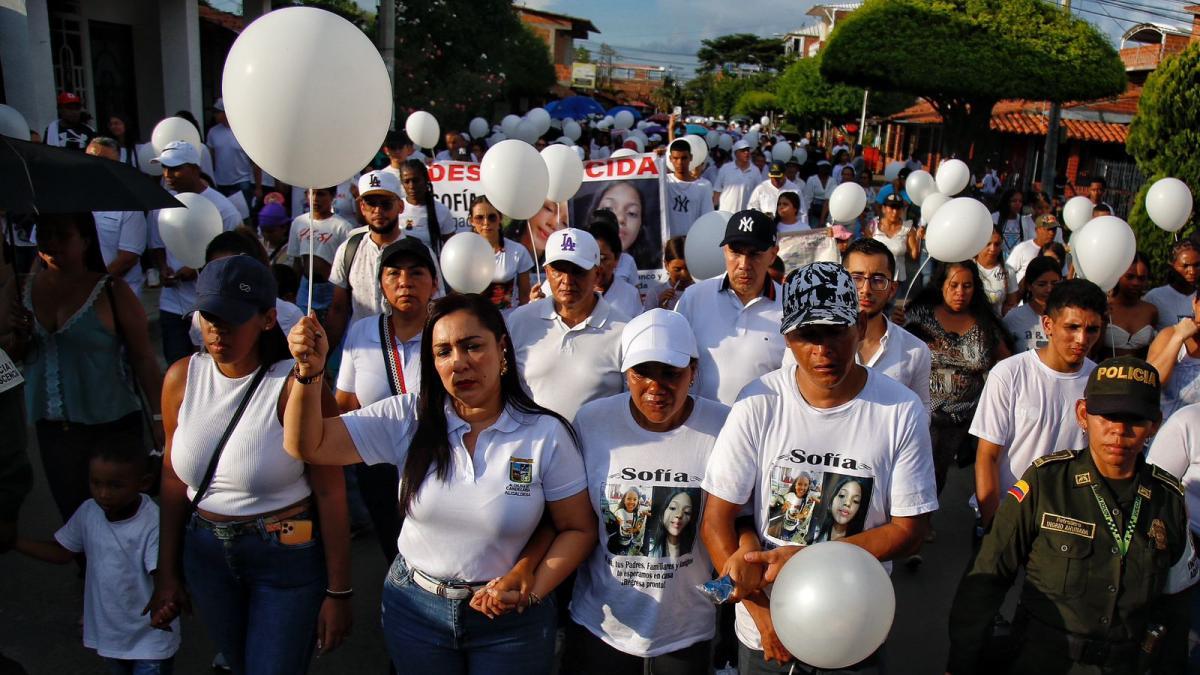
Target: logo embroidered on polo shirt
520	470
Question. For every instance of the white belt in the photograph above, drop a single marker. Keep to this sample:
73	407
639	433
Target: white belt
442	589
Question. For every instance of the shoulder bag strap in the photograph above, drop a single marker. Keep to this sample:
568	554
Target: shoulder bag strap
216	456
143	400
348	254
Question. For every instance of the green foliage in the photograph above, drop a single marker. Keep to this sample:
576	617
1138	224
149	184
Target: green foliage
755	103
583	55
806	95
739	48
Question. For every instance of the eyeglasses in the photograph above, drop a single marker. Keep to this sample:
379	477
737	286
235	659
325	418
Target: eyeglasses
376	202
877	282
489	218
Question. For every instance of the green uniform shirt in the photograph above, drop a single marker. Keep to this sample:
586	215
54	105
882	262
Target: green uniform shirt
1076	580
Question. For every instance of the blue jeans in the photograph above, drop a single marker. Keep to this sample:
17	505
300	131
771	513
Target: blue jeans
258	598
127	667
430	634
751	662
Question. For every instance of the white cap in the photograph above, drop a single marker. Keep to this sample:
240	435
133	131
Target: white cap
178	153
741	145
378	181
573	246
660	336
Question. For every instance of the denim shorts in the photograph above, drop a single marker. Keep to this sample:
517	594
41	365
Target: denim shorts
426	633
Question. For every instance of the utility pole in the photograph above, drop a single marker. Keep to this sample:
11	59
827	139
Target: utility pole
387	43
862	120
1050	163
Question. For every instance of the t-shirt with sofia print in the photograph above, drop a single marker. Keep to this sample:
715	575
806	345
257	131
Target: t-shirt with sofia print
822	474
637	591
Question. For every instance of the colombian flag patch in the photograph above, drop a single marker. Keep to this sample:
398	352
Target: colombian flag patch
1019	490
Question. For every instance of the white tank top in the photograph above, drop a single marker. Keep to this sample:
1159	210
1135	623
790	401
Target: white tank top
254	474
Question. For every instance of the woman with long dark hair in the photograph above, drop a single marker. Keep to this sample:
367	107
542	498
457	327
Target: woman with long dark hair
1014	226
126	138
510	281
844	510
480	463
423	217
1131	320
1023	323
641	235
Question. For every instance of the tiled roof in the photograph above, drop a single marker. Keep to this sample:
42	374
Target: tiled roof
225	20
1081	130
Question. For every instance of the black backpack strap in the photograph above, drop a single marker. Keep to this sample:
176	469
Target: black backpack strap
216	456
348	254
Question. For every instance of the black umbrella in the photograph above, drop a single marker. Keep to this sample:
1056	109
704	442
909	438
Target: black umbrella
37	178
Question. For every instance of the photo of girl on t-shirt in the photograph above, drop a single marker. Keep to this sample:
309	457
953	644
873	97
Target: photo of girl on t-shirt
843	509
794	496
625	522
674	517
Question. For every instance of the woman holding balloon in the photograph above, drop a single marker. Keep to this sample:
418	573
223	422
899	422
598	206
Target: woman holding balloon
1131	320
510	283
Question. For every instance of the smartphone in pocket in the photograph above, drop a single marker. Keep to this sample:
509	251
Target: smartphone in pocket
294	532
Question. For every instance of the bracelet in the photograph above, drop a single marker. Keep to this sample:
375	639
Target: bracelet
306	380
534	599
339	595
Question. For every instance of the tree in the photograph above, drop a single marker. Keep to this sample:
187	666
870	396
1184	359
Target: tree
965	55
807	96
669	95
583	55
1162	139
740	48
755	103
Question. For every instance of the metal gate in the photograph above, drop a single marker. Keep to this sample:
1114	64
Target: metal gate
1124	181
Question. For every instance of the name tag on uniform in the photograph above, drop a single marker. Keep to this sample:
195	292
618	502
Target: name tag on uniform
1057	523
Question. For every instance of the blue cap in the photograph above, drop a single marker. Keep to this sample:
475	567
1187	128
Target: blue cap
234	289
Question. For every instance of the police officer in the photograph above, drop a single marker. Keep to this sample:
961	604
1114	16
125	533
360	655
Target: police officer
1104	541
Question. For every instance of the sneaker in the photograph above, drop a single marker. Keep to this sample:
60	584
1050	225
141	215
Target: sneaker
220	665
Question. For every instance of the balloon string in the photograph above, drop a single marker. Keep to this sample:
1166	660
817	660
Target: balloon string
312	207
537	271
913	281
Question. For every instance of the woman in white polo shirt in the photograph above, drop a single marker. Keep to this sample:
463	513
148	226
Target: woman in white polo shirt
639	610
510	281
480	463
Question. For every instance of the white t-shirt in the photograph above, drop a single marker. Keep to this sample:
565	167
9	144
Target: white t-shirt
1172	305
686	202
1029	409
1025	327
735	186
564	367
1019	259
738	343
1176	449
343	200
415	221
995	285
120	559
512	261
1013	231
473	525
876	445
364	371
231	164
287	315
765	197
624	297
181	298
331	232
637	591
123	231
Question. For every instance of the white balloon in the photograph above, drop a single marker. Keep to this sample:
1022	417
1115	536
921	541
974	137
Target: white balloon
468	262
145	153
755	127
624	152
799	155
540	119
514	178
892	171
930	206
422	128
623	119
699	150
919	184
847	202
578	151
527	131
13	124
509	125
752	139
174	129
572	130
958	230
702	249
712	138
272	67
781	151
1103	250
563	140
565	171
186	230
832	604
726	142
1077	212
606	122
952	177
496	138
1169	204
766	121
478	128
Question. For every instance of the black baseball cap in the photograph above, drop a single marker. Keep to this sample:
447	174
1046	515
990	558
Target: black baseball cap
235	288
775	170
750	227
1124	384
410	246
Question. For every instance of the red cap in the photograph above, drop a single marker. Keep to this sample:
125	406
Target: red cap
67	98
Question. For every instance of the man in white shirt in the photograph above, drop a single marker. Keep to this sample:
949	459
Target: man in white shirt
1027	408
327	231
766	194
454	144
568	345
1174	300
232	168
687	199
857	437
816	193
736	180
1045	227
736	316
122	235
180	161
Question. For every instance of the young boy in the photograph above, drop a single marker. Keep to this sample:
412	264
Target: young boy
117	529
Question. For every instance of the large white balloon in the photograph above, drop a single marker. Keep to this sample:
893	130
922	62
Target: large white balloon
565	171
478	128
702	249
540	119
1103	250
623	119
832	604
422	128
930	206
514	178
1169	204
781	151
919	184
959	230
13	124
699	149
468	262
606	122
892	171
624	152
952	177
726	142
174	129
186	230
766	121
799	155
509	125
847	202
1077	212
310	64
572	130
